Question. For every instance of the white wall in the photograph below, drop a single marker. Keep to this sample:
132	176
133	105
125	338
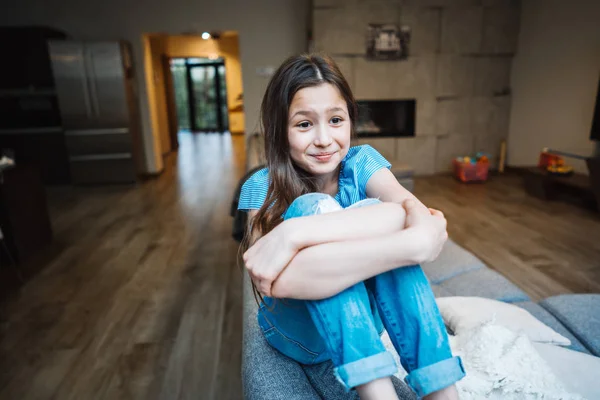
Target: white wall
270	30
554	79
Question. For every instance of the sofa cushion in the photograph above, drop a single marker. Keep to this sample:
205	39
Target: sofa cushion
544	316
439	291
484	283
577	371
580	313
452	261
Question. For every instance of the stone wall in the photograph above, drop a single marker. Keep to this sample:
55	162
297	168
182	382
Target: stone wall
458	70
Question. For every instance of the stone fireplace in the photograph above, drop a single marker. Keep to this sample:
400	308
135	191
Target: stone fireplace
457	73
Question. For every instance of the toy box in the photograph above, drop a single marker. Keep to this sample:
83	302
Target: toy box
467	169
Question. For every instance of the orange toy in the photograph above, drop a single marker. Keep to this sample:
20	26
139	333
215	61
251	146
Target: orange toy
546	159
471	172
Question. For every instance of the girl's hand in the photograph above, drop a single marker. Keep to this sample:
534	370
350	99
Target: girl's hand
429	227
269	256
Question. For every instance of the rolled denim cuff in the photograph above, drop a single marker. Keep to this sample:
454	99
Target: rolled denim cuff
366	370
434	377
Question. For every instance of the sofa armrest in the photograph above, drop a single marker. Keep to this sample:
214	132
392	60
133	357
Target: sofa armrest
580	313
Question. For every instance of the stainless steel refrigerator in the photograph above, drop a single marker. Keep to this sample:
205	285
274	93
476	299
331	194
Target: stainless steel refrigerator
98	107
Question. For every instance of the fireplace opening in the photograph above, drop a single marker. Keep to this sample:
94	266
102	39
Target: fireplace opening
386	118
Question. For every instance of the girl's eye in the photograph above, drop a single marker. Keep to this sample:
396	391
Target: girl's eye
304	125
336	120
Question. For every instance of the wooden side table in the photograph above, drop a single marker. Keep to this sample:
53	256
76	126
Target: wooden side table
541	184
592	159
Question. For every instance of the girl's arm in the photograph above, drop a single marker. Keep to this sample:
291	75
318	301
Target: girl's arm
269	255
348	224
326	269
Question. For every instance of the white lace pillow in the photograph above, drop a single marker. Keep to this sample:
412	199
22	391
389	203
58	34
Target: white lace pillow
462	314
503	365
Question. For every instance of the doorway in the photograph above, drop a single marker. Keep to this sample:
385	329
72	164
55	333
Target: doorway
200	94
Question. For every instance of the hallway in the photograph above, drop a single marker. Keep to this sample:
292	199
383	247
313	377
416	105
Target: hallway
141	297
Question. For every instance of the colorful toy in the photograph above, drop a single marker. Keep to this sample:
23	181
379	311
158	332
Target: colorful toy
471	169
554	164
559	169
547	159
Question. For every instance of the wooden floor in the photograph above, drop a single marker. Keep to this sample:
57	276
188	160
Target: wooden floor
143	297
546	248
140	297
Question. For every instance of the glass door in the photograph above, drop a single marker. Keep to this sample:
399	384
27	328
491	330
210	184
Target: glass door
223	97
206	102
209	96
180	88
201	94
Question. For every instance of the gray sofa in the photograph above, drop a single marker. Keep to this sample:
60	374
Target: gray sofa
266	374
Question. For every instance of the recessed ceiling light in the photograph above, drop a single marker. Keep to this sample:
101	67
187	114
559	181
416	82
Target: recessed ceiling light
205	35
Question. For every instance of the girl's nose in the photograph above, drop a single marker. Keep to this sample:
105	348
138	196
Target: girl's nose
323	138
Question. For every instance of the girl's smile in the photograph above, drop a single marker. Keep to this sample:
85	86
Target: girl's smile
323	157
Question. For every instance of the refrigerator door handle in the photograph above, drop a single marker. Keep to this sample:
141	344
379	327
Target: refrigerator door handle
90	132
84	82
97	157
91	81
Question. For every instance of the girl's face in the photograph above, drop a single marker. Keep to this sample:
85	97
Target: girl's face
318	129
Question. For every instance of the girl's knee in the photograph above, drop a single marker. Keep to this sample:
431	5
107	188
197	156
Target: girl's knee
312	204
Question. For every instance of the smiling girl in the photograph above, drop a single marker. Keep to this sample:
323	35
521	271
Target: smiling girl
333	233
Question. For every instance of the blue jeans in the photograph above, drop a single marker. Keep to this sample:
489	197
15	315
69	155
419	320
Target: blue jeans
346	327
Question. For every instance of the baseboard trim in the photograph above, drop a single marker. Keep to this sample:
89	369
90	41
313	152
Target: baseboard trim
148	176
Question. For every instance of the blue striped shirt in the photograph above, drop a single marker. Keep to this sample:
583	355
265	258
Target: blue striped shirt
358	166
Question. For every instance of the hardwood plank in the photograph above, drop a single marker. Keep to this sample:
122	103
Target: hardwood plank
229	374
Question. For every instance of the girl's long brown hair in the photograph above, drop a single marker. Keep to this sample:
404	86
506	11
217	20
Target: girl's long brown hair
286	180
